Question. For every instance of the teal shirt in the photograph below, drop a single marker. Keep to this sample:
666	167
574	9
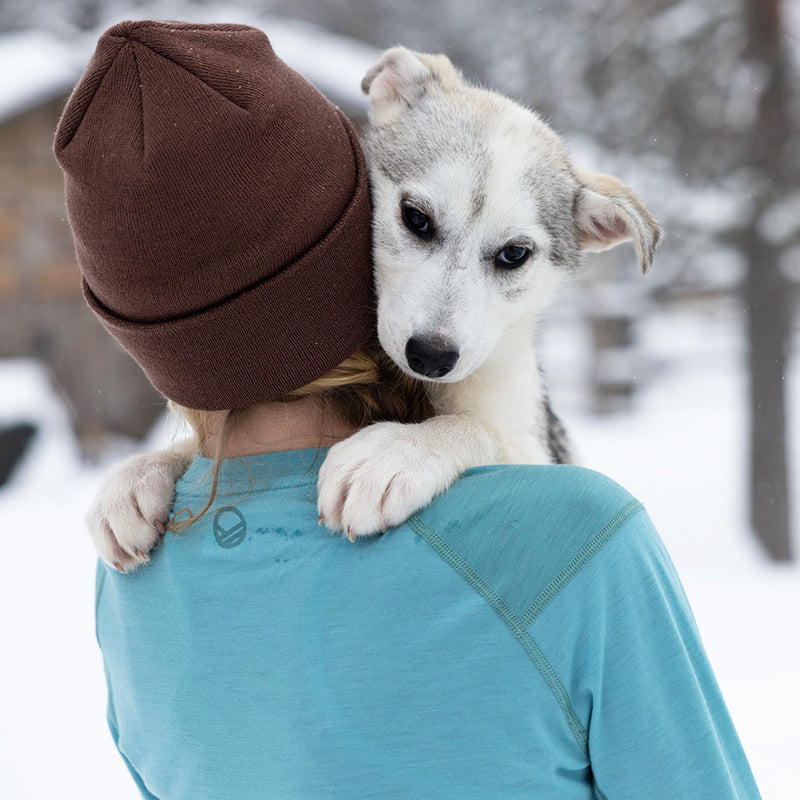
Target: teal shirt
525	636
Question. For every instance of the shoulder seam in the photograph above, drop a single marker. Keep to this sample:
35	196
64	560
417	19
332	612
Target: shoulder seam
512	622
518	625
582	558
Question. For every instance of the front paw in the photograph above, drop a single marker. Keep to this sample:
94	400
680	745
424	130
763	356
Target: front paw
379	477
128	517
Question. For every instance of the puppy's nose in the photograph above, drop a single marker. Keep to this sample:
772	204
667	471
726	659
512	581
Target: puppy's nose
431	358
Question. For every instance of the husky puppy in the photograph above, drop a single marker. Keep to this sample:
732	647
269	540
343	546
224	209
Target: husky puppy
479	215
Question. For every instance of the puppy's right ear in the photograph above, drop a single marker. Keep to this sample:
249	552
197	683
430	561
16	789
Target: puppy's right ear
400	77
393	83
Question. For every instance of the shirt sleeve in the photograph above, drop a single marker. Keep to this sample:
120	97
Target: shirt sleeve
623	638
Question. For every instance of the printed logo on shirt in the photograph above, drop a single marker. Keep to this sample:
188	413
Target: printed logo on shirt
230	527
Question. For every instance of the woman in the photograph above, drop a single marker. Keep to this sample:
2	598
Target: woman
524	636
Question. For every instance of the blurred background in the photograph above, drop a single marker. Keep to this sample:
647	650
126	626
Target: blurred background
684	386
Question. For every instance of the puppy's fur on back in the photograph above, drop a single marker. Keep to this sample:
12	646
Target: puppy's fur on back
479	215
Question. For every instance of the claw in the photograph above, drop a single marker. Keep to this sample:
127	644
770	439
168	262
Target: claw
160	527
350	535
118	568
320	520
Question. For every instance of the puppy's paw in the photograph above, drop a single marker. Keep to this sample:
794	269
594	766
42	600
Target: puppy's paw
380	476
128	517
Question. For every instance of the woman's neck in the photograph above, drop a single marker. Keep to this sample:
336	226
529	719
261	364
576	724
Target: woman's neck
272	427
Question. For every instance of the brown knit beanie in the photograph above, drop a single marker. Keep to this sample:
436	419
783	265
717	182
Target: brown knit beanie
220	211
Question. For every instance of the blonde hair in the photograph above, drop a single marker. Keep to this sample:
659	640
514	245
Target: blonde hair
366	387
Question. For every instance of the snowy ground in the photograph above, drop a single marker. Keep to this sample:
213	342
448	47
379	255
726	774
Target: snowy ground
680	450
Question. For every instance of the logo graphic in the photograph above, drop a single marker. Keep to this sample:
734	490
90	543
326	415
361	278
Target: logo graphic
230	527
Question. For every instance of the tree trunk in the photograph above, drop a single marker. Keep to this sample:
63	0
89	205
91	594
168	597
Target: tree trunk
765	298
767	293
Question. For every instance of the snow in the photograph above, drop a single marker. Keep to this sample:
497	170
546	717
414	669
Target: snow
781	222
680	21
43	66
680	450
46	65
338	65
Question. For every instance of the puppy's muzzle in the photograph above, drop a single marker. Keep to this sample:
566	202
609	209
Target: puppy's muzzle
430	357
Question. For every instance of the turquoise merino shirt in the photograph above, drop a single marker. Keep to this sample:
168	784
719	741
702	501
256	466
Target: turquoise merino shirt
525	636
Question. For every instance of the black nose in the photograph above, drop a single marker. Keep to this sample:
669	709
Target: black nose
429	357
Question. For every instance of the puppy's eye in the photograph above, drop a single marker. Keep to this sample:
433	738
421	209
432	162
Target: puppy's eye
511	257
418	222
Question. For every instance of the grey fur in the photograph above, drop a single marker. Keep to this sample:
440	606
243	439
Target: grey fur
488	173
557	438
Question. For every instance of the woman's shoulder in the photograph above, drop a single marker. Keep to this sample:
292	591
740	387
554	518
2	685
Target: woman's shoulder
505	498
524	483
521	527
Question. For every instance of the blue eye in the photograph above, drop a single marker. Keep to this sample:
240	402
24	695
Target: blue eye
416	220
511	257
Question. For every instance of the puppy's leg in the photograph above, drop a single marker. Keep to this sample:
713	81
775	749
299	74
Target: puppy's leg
127	517
386	472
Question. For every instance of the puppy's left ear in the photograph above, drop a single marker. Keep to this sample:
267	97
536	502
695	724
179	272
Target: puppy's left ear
400	77
608	213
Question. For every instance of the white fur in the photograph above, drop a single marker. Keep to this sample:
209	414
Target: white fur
490	173
383	473
128	516
451	292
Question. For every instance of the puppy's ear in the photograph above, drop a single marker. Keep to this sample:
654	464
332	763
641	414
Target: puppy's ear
399	77
607	213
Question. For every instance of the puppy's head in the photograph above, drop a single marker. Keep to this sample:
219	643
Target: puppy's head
478	214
